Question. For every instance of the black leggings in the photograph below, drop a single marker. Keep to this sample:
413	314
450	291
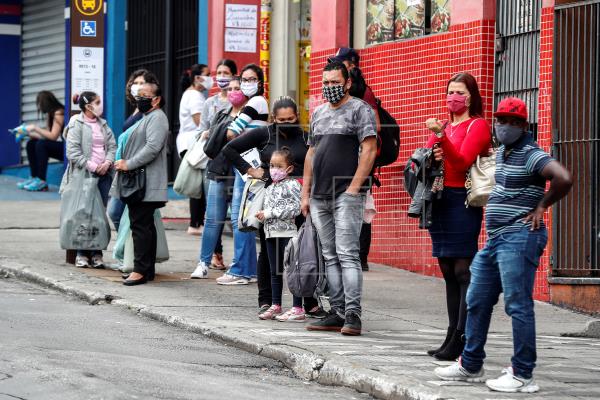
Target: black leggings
457	276
38	153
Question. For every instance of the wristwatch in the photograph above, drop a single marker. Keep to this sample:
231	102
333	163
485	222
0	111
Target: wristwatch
440	134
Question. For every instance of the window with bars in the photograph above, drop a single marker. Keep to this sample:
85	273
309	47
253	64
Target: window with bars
389	20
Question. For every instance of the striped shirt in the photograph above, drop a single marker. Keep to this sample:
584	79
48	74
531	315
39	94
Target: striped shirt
519	186
254	114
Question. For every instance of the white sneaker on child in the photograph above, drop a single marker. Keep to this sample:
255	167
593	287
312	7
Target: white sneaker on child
511	384
82	262
201	271
294	314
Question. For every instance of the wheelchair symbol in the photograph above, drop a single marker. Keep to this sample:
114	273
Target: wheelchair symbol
88	28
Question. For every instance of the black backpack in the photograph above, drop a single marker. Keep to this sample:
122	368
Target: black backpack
388	138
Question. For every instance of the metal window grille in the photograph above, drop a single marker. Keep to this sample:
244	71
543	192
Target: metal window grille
576	137
517	54
163	38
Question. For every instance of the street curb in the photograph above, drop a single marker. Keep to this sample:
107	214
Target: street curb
305	364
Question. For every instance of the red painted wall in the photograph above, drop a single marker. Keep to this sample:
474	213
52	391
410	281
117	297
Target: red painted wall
330	24
410	78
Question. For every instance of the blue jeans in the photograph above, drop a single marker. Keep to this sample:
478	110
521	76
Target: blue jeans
216	212
244	243
104	183
115	211
339	223
507	263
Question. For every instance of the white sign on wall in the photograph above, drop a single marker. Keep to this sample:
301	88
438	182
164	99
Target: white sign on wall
241	16
87	70
240	40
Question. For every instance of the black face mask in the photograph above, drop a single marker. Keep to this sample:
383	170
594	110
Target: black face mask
288	128
144	104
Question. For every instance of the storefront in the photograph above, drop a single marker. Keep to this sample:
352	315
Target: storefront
410	48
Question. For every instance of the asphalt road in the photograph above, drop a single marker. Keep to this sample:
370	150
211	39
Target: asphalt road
55	347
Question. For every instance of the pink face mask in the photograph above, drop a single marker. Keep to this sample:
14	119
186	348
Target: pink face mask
457	103
236	98
278	174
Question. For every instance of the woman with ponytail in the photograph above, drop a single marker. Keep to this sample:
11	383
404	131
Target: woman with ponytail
91	147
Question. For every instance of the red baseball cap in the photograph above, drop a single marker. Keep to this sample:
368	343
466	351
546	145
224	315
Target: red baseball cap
512	107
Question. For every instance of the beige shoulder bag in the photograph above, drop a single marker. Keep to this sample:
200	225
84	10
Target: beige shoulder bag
480	178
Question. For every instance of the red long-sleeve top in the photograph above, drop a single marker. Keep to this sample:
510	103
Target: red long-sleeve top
461	149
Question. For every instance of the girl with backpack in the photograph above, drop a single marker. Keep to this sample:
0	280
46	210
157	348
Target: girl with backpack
281	207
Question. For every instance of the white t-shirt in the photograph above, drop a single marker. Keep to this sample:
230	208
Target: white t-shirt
191	103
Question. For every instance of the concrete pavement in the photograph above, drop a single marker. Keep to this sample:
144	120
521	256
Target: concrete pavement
404	314
110	353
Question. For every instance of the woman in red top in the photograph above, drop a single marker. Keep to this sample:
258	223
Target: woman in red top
455	228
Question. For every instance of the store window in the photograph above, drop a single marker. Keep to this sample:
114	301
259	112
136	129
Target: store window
389	20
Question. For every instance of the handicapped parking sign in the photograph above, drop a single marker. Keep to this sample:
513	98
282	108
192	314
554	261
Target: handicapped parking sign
88	29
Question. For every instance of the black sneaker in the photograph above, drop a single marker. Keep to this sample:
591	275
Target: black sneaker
316	312
352	326
332	322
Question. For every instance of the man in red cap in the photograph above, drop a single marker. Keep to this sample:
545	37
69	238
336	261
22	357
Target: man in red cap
517	237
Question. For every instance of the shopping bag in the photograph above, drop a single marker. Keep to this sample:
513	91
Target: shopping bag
123	249
253	199
83	221
188	181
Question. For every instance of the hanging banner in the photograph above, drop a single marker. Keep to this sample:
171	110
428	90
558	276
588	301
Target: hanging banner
265	41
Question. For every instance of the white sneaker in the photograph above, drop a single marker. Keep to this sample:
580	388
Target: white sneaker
511	384
456	372
253	280
97	261
82	262
231	280
201	271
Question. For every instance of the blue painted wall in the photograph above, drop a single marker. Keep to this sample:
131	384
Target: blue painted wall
203	32
10	82
116	64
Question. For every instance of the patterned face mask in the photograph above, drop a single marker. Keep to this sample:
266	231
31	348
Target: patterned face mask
334	94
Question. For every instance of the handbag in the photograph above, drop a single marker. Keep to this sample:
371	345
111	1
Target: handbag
132	185
480	179
196	156
252	202
189	179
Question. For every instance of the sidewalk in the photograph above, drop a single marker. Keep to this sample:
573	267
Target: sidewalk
404	314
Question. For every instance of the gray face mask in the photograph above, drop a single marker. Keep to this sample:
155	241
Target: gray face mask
508	134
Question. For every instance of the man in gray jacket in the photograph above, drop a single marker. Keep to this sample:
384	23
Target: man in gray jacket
146	148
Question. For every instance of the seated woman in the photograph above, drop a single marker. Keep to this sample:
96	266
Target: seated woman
44	142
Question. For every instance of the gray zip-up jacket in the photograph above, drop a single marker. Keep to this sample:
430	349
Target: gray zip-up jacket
78	136
147	147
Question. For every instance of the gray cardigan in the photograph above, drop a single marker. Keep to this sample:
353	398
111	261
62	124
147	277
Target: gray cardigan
78	136
147	147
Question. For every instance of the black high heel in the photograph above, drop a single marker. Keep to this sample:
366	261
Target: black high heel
454	347
448	336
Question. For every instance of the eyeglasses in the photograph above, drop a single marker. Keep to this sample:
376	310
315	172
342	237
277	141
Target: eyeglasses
249	80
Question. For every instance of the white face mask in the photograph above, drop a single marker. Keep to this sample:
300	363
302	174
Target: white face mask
208	82
249	88
97	110
135	88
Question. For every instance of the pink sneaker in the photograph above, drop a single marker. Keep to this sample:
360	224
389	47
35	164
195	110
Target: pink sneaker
271	313
294	314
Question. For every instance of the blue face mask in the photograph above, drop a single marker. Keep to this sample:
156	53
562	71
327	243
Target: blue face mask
508	134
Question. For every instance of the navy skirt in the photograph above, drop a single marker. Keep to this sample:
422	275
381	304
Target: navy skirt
455	228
